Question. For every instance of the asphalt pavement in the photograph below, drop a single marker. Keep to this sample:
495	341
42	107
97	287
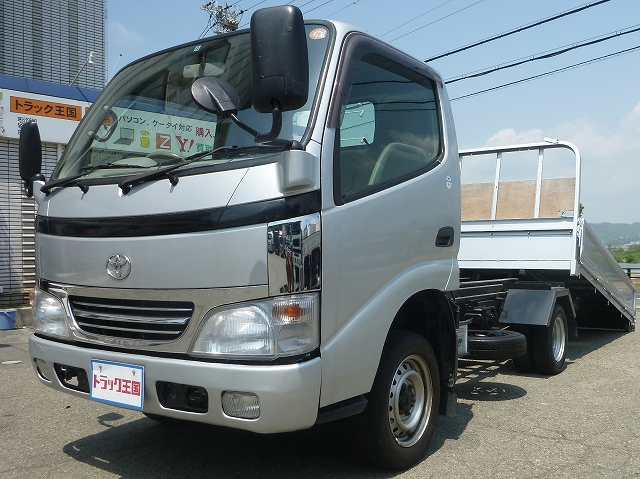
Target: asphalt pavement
580	424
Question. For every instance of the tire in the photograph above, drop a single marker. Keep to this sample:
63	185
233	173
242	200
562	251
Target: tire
496	344
549	344
395	429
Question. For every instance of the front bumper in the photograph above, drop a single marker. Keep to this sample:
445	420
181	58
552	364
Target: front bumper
288	394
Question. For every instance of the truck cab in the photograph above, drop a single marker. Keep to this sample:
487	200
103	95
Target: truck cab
257	230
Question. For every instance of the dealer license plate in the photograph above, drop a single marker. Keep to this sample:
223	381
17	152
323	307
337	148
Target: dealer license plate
118	384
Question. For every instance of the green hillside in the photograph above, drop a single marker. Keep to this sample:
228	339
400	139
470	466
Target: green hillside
617	234
629	255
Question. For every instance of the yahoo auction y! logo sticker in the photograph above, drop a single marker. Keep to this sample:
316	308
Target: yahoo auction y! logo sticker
118	266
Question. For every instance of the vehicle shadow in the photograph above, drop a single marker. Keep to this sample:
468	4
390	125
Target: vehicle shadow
451	427
144	448
472	381
589	340
472	374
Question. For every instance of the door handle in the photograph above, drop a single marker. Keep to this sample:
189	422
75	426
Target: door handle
445	237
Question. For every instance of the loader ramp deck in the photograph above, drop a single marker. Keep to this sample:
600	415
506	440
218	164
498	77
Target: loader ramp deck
531	228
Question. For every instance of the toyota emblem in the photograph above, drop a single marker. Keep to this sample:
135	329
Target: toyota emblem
118	266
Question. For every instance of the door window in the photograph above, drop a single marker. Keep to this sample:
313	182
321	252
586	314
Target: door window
389	127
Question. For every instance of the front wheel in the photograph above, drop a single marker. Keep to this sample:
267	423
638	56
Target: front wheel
396	427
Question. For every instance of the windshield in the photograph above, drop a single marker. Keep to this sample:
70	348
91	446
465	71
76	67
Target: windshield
146	118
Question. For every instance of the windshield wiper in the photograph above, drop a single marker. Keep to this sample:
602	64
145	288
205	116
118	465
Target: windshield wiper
87	170
131	181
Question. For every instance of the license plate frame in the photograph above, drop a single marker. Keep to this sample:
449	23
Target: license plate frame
117	384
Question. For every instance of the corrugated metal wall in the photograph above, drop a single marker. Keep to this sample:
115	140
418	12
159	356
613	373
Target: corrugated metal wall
50	40
46	40
17	215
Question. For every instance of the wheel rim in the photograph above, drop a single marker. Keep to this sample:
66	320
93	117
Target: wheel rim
558	339
410	399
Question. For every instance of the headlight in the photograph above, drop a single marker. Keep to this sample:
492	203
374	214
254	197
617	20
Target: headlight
267	329
49	315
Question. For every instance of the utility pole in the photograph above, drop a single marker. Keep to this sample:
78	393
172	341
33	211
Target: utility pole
221	19
88	61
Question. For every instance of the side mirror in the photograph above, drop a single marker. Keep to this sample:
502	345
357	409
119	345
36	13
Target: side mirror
219	97
30	156
279	59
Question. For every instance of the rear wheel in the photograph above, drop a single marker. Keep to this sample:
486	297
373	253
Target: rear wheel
396	427
549	344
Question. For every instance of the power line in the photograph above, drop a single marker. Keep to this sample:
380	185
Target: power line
223	19
421	15
206	29
519	29
300	6
552	72
288	3
253	6
344	8
544	55
442	18
321	5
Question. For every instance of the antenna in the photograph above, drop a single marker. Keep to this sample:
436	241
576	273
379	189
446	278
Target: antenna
221	19
114	66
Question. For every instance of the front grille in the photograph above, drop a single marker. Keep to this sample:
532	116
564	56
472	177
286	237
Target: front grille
131	319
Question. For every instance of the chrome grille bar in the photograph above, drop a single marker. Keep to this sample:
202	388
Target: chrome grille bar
157	321
132	319
130	330
133	308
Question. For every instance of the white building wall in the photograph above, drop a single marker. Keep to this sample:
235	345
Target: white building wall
17	213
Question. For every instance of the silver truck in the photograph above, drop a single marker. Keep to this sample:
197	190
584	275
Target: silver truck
262	230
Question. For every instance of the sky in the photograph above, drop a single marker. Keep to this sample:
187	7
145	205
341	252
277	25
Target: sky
596	106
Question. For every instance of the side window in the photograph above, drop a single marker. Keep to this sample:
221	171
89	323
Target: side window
389	125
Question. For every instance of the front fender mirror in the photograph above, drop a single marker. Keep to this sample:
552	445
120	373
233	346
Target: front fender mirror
30	156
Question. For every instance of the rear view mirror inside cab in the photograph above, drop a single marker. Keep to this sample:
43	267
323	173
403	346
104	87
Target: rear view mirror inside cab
199	70
206	63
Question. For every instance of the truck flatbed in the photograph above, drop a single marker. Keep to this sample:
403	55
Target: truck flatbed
532	228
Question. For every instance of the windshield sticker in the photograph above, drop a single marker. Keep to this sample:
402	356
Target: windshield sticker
137	129
318	33
197	48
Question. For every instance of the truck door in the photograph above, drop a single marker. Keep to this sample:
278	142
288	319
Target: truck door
393	228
